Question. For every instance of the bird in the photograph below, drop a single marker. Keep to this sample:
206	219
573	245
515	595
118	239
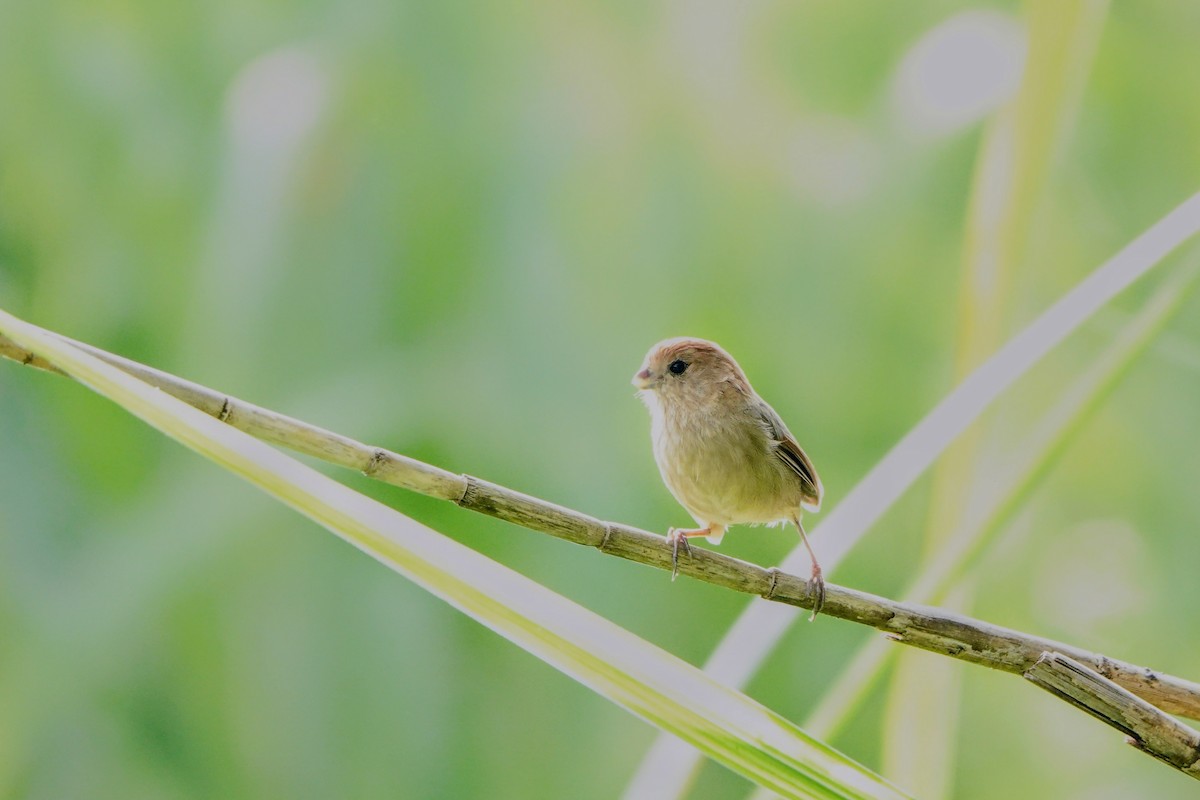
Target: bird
722	451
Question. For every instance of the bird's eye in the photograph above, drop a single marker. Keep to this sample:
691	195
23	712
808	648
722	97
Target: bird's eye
677	366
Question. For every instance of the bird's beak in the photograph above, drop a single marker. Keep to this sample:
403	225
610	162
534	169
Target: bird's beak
643	379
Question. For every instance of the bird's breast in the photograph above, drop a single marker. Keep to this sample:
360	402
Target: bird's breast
720	467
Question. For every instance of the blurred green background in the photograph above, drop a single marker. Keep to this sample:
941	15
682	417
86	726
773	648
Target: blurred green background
453	230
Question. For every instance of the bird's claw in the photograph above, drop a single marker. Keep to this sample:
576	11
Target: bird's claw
817	586
676	538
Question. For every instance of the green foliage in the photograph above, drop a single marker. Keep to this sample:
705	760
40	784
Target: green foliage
496	210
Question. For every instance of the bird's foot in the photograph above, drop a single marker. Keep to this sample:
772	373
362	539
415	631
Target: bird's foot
817	586
678	537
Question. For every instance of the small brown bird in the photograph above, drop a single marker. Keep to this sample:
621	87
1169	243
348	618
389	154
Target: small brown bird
723	452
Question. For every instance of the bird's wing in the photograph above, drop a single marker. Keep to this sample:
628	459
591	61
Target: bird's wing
788	451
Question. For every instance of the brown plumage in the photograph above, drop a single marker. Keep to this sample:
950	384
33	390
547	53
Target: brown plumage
723	452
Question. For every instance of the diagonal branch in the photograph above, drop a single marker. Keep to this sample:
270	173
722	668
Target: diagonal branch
920	626
1147	728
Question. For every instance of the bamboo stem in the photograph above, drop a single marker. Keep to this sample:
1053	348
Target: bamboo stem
925	627
1147	728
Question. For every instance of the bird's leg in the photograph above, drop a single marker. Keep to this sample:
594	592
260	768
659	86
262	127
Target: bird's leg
817	581
680	536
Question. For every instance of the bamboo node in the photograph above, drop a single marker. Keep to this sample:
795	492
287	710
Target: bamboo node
608	530
470	486
773	574
376	460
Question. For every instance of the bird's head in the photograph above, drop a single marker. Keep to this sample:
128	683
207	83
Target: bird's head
684	369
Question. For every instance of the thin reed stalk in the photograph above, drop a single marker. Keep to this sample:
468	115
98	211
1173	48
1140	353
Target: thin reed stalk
928	628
